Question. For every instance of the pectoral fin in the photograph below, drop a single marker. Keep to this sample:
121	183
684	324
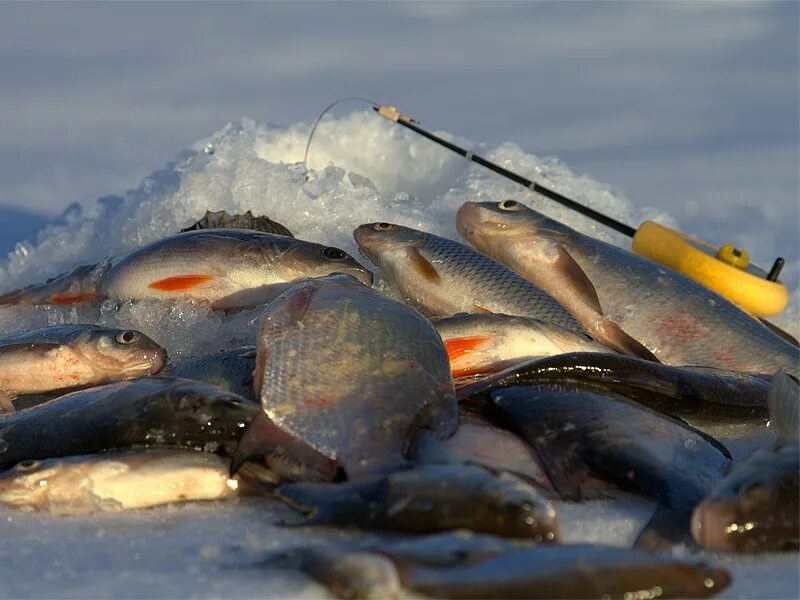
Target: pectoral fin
423	266
7	403
575	281
609	333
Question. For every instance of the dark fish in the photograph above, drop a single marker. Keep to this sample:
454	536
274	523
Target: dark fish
702	393
431	498
222	220
553	571
756	508
351	374
582	437
230	370
151	412
63	357
680	321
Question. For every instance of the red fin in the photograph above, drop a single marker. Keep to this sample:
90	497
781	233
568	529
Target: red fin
12	297
423	266
459	351
72	298
179	283
477	308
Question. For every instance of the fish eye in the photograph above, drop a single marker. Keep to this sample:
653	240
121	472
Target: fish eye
382	226
127	337
509	205
334	253
28	465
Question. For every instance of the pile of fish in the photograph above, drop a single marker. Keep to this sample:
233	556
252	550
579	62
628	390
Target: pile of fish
537	365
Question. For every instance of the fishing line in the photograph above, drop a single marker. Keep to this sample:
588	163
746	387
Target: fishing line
322	114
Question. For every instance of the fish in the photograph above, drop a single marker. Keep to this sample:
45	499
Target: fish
222	220
756	508
230	370
483	570
442	277
347	573
63	357
226	268
149	412
430	498
479	344
677	319
701	395
116	481
479	441
352	374
593	443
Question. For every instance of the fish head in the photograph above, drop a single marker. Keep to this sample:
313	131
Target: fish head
386	244
120	353
485	224
316	260
26	484
755	508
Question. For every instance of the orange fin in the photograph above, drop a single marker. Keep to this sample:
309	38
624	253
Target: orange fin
460	350
423	266
477	308
178	283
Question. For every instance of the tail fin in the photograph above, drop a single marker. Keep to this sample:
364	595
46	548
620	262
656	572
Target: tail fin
79	285
784	407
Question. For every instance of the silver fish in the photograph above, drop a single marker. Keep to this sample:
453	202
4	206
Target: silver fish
230	370
478	344
227	268
115	481
678	320
63	357
351	374
443	277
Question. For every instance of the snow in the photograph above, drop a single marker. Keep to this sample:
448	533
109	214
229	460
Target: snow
362	169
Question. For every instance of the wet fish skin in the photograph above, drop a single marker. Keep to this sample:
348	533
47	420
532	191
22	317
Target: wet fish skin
479	344
703	395
443	277
228	268
582	437
115	481
351	374
230	370
568	571
150	412
678	320
431	498
62	357
756	508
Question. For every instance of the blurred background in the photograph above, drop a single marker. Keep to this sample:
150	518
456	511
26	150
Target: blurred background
689	107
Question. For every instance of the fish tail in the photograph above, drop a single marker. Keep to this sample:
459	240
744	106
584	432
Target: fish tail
784	406
79	285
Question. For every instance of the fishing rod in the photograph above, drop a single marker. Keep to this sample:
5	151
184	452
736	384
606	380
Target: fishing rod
726	270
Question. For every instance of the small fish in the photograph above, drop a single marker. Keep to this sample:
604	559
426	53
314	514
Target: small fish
54	359
610	290
704	395
756	508
348	574
428	499
443	277
115	481
150	412
227	268
584	438
479	344
230	370
351	374
222	220
481	569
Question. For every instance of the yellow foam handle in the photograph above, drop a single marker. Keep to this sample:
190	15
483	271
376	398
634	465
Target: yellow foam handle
698	260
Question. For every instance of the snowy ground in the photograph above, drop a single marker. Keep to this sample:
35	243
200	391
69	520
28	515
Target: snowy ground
362	170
